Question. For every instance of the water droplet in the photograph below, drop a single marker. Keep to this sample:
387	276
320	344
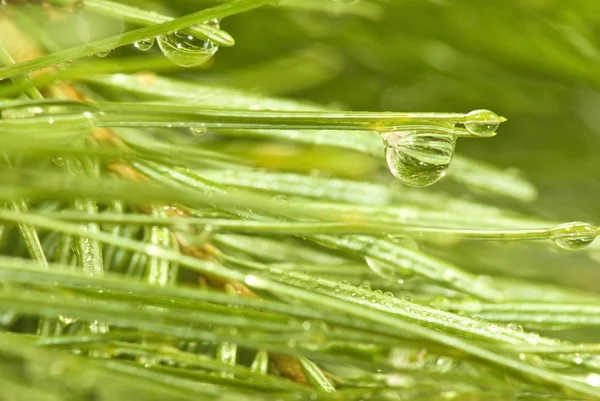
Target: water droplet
573	236
59	161
448	275
198	131
419	157
186	50
103	53
253	281
482	123
514	326
593	379
144	44
281	199
532	338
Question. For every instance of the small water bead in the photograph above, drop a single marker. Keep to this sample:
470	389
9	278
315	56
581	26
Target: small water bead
186	50
593	379
482	123
198	131
515	327
419	157
281	199
102	53
573	236
144	44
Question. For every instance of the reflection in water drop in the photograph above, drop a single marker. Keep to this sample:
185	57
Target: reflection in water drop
420	156
573	236
482	123
144	44
187	50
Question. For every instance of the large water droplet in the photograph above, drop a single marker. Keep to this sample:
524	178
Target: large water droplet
573	236
419	157
482	122
144	44
187	50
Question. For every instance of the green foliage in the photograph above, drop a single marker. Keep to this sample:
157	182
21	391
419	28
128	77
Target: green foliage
231	230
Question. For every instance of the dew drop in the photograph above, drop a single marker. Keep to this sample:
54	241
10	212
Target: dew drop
515	327
281	199
593	379
59	161
573	236
419	157
102	53
449	275
198	131
186	50
144	44
482	123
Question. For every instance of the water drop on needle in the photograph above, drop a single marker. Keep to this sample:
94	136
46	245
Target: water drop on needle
186	50
573	236
198	131
103	53
482	123
419	157
144	44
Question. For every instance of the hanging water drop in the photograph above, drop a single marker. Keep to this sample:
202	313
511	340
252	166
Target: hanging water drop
573	236
187	50
419	157
144	44
483	123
